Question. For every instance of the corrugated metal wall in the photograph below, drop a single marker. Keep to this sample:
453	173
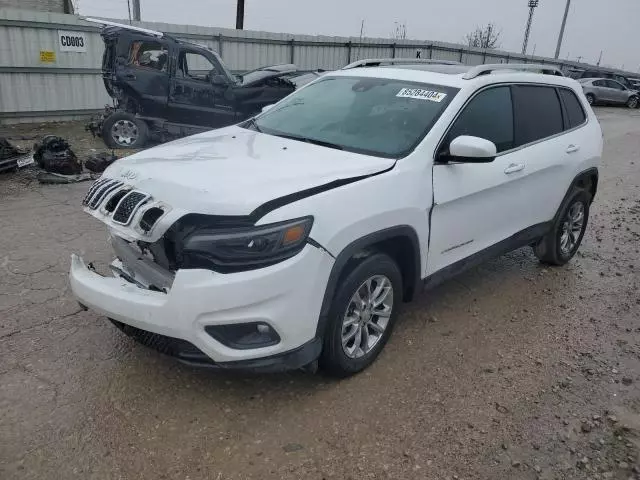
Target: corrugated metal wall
32	89
42	5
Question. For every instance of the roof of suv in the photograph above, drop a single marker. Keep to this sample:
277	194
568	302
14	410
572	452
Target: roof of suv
461	76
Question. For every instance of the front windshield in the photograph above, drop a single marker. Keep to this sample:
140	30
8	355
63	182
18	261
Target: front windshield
376	116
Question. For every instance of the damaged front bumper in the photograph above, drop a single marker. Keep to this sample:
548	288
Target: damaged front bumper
173	319
97	121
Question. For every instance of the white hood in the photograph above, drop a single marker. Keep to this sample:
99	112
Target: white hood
232	171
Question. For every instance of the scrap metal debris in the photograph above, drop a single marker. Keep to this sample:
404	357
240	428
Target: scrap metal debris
12	157
57	178
98	162
54	155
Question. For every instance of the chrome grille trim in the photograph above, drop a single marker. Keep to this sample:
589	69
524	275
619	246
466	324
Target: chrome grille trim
97	184
128	206
103	192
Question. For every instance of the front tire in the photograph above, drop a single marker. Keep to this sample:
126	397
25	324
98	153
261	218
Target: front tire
632	102
362	315
565	237
591	99
124	130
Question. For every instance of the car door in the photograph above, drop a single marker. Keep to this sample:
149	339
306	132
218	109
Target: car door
547	149
600	90
199	91
474	203
609	93
145	72
512	199
617	91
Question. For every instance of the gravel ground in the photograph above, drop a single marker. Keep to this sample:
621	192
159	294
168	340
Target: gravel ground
511	371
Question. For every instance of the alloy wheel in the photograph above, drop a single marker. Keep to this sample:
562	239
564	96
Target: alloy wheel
124	133
367	316
572	226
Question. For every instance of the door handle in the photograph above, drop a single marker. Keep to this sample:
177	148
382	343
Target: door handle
130	76
514	167
572	148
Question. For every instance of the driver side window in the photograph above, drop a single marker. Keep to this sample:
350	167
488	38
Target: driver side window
195	66
615	85
488	115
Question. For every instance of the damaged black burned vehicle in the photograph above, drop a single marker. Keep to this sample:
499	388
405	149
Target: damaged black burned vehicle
164	88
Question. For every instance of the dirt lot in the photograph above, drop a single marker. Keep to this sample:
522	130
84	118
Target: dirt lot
512	371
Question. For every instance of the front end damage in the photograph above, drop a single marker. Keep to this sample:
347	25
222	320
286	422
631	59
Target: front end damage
97	121
263	319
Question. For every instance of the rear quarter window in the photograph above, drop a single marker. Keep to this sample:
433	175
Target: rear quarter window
573	108
538	113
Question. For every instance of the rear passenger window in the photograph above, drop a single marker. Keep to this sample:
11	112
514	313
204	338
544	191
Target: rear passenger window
575	113
538	113
488	115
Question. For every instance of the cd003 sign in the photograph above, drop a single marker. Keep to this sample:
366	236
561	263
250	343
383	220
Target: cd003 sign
72	41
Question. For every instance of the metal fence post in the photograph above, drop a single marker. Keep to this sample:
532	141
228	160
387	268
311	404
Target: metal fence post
393	50
292	53
348	52
430	47
220	44
507	59
484	56
461	53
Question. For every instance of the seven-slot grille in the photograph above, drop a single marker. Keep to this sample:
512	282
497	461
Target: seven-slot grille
126	202
127	207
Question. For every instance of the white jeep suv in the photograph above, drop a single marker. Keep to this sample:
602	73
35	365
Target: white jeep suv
293	238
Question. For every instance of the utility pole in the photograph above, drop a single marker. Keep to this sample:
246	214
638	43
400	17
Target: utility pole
240	15
129	10
564	24
360	41
136	10
532	6
599	58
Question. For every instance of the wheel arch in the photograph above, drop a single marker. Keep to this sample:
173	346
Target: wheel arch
585	180
400	242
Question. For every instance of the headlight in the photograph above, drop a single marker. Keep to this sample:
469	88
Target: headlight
244	248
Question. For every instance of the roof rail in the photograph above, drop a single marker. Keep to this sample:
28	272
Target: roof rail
376	62
523	67
123	25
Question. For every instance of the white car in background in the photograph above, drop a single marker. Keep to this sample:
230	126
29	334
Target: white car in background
294	237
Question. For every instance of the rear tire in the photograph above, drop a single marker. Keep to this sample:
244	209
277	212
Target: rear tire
560	245
355	334
632	102
591	98
124	130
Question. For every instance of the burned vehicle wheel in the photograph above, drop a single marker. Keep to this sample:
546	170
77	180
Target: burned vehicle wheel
124	130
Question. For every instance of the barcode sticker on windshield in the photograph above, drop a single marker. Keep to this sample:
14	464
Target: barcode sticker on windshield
421	94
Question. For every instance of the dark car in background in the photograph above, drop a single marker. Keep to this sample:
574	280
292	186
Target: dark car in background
165	88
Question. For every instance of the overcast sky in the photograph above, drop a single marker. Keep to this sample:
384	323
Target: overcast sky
593	25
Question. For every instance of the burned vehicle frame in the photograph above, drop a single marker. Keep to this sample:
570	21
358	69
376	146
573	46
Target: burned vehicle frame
165	88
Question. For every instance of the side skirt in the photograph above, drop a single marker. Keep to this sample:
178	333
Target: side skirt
518	240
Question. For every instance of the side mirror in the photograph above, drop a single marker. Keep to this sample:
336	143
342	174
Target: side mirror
468	149
266	108
219	80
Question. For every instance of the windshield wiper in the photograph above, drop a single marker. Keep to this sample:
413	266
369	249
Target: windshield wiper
314	141
252	123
